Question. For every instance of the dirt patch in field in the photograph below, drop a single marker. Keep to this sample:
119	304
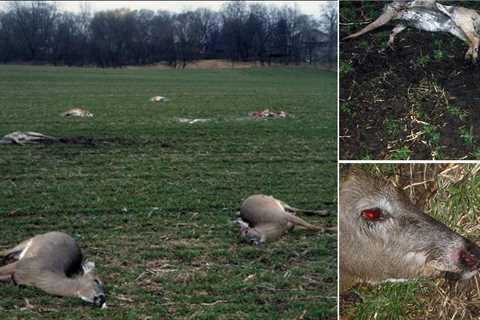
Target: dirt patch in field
99	142
418	101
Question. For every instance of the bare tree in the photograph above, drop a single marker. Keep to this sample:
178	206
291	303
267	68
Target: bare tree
329	21
36	31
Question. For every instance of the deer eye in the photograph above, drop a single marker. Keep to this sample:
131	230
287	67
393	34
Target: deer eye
373	214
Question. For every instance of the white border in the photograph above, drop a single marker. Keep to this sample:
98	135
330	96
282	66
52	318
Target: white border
338	159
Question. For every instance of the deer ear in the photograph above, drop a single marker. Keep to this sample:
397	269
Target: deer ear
88	266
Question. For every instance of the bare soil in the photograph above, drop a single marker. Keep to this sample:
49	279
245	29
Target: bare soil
418	101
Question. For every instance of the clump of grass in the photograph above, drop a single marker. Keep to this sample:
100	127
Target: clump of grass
345	68
402	153
393	126
389	302
346	107
459	112
439	55
423	61
468	136
431	134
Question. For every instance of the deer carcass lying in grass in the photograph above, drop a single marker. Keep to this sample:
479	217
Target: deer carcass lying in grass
158	99
384	237
19	137
430	16
53	263
77	112
264	218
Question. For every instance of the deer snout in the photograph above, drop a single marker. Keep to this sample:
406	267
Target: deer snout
99	300
468	260
469	257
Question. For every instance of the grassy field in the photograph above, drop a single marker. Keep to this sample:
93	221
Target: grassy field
449	193
151	200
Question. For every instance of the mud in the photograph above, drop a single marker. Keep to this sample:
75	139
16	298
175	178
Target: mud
100	142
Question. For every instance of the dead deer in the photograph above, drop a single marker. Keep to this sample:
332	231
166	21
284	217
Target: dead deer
77	112
264	218
53	263
427	15
468	20
19	137
158	99
385	238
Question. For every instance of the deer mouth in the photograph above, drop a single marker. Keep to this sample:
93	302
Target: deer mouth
460	265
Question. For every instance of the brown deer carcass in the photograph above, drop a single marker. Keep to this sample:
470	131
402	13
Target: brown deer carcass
53	263
428	15
385	238
77	112
264	218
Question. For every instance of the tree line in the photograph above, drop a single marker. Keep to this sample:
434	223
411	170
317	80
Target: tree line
38	32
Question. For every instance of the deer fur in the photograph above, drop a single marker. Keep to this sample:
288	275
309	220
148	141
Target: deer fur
264	218
19	137
77	112
431	16
53	263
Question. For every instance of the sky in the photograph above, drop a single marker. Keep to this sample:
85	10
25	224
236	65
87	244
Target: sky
306	7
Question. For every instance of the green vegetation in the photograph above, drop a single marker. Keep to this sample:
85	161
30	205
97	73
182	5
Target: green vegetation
423	61
151	200
346	107
401	153
393	126
467	135
345	68
459	112
432	134
439	55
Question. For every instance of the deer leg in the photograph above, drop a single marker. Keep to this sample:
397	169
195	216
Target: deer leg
18	247
6	272
380	21
6	278
398	28
473	42
468	54
475	46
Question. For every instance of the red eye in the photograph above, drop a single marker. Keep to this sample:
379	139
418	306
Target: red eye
372	214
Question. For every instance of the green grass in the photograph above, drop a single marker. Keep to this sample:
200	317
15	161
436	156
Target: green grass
388	301
401	153
151	200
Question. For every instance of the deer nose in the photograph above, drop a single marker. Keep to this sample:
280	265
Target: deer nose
468	260
99	300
